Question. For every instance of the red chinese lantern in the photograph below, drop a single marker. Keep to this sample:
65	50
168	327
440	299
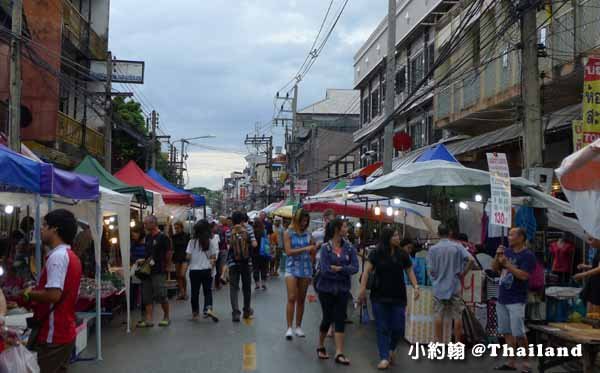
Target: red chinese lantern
402	141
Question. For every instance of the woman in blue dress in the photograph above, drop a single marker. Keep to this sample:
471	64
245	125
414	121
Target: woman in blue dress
300	251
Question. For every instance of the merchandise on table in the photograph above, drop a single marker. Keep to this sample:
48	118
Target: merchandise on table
87	288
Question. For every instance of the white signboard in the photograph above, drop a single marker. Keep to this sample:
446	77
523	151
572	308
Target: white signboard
500	186
300	187
131	72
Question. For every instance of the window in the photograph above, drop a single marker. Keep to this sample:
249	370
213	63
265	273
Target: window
400	84
364	159
417	70
430	57
342	167
505	57
418	132
365	112
375	149
375	102
63	103
543	36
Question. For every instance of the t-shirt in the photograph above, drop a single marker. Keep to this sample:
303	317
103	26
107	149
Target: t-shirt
513	290
201	259
562	256
446	261
157	248
180	242
389	276
215	242
62	271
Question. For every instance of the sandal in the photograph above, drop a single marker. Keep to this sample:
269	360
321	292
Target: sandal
505	368
342	360
164	323
322	353
144	324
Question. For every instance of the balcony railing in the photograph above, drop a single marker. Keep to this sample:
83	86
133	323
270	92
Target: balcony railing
70	131
78	31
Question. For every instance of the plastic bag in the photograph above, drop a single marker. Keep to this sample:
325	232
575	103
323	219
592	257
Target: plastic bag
18	359
365	318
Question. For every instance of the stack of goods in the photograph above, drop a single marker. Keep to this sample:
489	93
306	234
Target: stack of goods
420	318
563	304
87	289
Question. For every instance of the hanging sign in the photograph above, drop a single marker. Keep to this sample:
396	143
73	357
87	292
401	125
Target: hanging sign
591	101
577	135
501	213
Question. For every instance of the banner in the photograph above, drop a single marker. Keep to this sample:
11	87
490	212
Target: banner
591	101
501	213
577	135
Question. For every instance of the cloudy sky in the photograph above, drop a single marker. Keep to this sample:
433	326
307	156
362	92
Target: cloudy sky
213	67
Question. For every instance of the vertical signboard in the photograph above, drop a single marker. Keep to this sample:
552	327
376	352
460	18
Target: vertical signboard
591	101
577	135
501	213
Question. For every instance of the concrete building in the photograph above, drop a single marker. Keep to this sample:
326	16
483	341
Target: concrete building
58	93
325	133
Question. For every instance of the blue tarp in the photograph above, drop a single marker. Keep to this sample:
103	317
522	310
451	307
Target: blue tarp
19	172
329	187
357	182
437	153
199	201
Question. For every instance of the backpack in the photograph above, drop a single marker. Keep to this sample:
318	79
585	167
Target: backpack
239	243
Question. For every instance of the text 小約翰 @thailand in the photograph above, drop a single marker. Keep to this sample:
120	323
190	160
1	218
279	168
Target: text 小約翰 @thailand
457	351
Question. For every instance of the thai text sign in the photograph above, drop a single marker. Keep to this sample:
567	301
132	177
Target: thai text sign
501	213
591	101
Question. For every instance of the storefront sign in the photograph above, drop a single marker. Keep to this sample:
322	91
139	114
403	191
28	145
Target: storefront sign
131	72
501	213
591	101
577	135
300	187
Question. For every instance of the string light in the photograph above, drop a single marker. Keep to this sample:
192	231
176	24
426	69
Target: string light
114	240
132	224
396	201
111	227
9	209
389	211
463	205
478	198
377	210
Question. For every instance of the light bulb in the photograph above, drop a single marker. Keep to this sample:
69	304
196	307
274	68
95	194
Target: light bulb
463	205
132	224
389	211
478	198
377	210
9	209
111	227
112	219
397	213
358	225
396	201
114	240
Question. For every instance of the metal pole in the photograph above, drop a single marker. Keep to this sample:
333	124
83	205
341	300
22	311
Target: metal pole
292	143
108	115
390	69
153	137
38	236
97	248
14	128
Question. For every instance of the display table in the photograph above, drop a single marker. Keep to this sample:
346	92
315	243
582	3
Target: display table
568	335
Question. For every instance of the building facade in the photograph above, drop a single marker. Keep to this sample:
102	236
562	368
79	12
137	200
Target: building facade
64	104
324	134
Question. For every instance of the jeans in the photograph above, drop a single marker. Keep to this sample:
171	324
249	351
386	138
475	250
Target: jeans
389	321
236	273
261	267
198	278
334	311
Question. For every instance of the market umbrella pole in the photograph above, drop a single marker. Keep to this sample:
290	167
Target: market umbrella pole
97	246
37	224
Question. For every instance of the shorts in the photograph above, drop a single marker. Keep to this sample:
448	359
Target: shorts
452	307
154	289
511	319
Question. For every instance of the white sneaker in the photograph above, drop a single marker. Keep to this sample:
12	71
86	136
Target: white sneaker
289	334
299	333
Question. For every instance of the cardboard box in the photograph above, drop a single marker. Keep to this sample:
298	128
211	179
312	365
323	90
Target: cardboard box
473	286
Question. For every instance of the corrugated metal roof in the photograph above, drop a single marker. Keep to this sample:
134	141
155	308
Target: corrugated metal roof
337	101
564	117
487	139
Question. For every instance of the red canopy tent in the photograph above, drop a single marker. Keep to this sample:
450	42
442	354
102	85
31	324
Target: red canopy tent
351	209
133	175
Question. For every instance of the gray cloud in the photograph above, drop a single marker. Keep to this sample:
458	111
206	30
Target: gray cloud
213	67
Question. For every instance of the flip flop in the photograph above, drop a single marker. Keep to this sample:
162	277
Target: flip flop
322	353
164	323
144	324
505	368
342	360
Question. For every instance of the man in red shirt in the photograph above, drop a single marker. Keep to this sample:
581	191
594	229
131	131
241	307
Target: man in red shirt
53	299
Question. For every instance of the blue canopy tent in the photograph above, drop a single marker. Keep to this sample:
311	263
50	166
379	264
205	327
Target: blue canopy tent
437	153
199	201
20	175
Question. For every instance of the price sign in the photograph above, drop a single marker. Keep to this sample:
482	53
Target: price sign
500	189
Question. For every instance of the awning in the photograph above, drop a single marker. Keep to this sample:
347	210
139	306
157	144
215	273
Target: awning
133	175
564	117
198	200
90	166
367	170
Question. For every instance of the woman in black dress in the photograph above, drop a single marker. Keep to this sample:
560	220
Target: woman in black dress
180	241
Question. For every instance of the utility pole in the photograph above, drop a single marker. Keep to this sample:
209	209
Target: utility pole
533	135
292	159
257	141
14	126
390	69
108	115
154	120
182	168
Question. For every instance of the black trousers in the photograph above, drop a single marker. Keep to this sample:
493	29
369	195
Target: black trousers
241	271
334	311
260	264
201	278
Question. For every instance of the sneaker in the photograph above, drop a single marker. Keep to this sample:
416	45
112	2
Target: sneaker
249	314
264	287
299	333
289	334
235	316
212	315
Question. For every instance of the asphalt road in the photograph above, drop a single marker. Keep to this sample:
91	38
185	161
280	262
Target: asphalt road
257	346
